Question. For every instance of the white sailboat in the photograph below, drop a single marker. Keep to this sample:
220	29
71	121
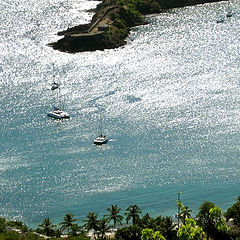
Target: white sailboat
101	139
57	113
55	86
230	11
221	16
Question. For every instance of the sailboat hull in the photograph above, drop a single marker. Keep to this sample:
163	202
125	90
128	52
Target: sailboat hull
58	114
100	140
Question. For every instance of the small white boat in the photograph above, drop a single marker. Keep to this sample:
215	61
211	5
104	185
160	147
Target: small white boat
230	11
58	114
101	140
229	14
220	21
55	86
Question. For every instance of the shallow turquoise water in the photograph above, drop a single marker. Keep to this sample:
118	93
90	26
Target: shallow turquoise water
169	101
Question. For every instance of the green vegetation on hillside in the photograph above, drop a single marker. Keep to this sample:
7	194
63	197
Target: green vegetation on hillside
120	15
209	224
131	13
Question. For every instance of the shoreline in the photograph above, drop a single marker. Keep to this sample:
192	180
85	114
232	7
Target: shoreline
110	26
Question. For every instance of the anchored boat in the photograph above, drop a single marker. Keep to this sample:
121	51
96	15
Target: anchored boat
57	112
101	139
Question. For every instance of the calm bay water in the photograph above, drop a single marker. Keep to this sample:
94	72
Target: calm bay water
170	106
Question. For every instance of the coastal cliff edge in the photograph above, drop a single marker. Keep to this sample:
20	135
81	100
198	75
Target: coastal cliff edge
112	22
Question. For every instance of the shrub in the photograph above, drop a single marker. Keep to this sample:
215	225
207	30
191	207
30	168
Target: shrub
148	6
119	24
130	16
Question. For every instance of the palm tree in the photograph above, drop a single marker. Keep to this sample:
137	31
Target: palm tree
102	228
146	222
91	222
132	212
114	215
47	226
68	221
203	218
75	228
185	213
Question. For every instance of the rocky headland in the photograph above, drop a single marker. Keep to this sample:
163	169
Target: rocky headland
112	22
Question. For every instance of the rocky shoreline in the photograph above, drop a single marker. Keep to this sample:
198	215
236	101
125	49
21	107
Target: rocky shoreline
111	24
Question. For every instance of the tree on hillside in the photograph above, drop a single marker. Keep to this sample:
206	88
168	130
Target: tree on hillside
169	228
18	225
91	222
234	212
128	233
68	222
203	218
133	212
147	222
102	228
164	225
114	215
47	226
190	230
2	224
220	227
75	229
185	213
149	234
210	218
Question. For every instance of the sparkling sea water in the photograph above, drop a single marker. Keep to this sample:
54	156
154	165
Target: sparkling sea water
169	100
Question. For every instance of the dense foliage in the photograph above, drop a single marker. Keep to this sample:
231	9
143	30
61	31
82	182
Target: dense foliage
234	212
209	223
130	13
190	230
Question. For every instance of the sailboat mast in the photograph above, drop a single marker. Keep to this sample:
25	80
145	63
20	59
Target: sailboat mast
101	125
59	98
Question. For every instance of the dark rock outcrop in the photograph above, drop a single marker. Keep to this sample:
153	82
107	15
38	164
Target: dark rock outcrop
74	43
88	37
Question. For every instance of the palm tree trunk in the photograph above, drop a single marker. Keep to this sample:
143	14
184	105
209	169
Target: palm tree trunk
133	220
